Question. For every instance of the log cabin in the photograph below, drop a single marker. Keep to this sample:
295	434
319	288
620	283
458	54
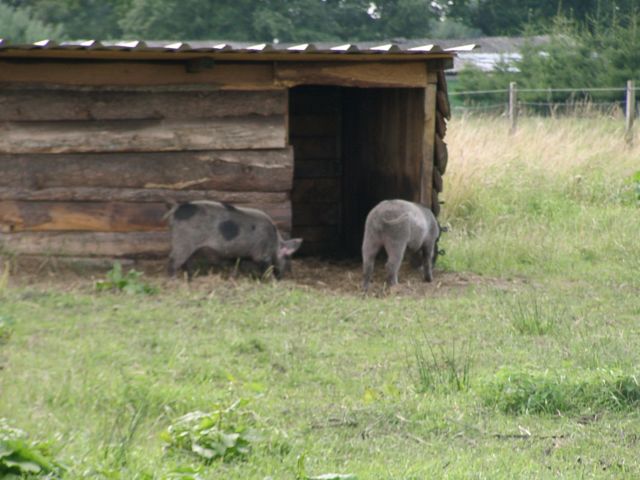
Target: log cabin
97	139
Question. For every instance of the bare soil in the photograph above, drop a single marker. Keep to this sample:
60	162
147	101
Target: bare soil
310	273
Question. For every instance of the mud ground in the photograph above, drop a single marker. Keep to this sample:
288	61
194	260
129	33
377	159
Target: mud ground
342	277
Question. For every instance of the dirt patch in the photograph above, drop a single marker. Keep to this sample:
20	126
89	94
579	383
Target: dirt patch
311	274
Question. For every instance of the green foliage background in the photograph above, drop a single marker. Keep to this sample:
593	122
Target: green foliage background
291	20
598	53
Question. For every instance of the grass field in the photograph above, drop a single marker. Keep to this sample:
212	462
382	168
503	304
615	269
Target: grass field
521	360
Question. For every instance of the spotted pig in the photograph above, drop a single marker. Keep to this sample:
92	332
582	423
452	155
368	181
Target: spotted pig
227	232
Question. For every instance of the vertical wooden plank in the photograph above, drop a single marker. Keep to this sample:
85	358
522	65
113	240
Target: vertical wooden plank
428	139
383	152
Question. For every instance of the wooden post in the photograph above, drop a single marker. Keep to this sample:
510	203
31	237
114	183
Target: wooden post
630	113
428	139
513	107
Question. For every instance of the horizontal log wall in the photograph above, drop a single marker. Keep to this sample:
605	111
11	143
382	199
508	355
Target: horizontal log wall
243	170
91	171
315	134
18	216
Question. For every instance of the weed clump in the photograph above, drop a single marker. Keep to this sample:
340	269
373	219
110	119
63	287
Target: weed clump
129	282
520	392
21	458
224	433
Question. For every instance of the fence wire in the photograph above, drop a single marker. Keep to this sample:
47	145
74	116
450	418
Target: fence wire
584	104
543	90
579	103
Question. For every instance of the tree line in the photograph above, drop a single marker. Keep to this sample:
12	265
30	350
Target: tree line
595	53
592	43
291	20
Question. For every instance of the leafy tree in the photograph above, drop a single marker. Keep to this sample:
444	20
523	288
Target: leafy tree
597	54
189	20
405	18
80	19
512	17
451	28
19	26
303	20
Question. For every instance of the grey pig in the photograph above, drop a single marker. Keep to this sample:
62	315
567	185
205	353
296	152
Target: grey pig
227	232
398	225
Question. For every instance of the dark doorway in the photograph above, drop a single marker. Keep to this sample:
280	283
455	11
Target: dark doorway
353	147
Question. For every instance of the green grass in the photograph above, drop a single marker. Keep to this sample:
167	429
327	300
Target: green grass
528	371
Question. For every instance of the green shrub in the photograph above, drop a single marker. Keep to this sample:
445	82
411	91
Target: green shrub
129	282
224	433
520	392
21	458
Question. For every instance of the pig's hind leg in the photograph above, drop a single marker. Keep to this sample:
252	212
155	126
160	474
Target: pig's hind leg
395	253
427	258
370	249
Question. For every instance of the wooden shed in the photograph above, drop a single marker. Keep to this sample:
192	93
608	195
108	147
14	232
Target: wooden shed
97	138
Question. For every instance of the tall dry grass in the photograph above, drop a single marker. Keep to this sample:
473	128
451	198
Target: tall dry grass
483	155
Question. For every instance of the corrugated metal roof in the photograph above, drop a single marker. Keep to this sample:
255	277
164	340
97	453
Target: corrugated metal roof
217	47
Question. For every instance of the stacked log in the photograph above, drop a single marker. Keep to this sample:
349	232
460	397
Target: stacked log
91	171
443	114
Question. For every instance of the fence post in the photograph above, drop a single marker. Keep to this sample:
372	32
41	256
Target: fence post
630	113
513	107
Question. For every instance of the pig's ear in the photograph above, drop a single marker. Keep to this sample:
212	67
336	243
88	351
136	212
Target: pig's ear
288	247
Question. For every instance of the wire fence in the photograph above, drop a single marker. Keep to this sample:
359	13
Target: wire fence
580	102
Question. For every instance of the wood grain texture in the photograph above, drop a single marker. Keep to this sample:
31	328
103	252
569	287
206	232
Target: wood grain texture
20	216
437	181
319	249
382	148
315	125
352	74
316	148
428	134
232	133
268	170
441	124
317	190
88	244
84	194
435	203
315	234
224	75
317	168
315	100
22	104
442	81
441	155
443	104
315	214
